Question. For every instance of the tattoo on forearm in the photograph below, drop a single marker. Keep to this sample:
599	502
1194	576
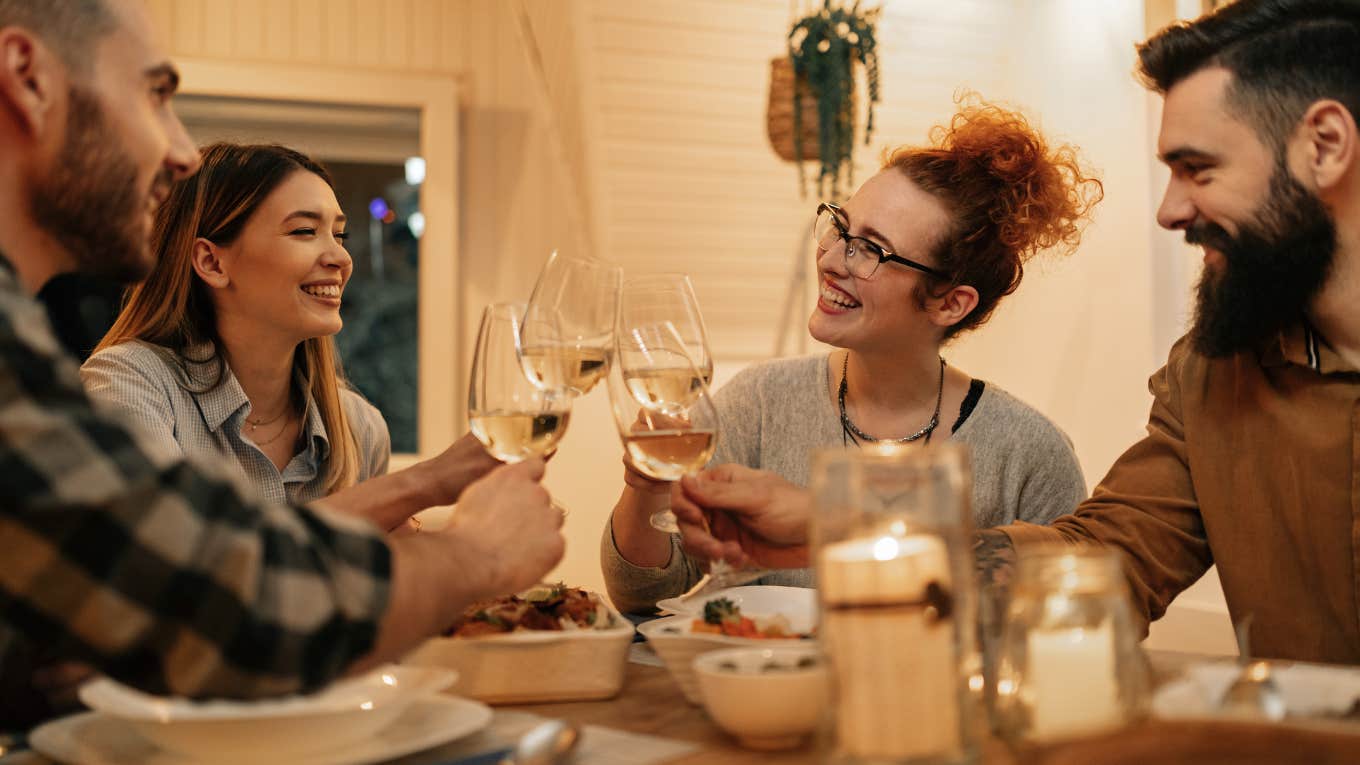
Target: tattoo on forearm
995	556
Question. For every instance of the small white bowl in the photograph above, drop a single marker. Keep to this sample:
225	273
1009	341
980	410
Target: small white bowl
764	708
677	645
533	666
291	727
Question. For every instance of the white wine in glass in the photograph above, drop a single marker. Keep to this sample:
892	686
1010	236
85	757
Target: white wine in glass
577	369
666	455
668	431
568	325
512	417
668	386
512	436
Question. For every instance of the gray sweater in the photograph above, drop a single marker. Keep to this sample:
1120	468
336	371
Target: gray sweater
772	415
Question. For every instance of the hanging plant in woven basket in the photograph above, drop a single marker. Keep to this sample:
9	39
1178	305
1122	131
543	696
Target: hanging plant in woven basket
812	92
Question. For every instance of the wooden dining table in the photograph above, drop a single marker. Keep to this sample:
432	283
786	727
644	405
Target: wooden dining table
651	703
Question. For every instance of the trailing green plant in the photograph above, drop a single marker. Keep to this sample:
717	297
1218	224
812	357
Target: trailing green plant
823	48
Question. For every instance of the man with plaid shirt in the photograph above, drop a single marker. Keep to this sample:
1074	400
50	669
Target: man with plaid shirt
168	575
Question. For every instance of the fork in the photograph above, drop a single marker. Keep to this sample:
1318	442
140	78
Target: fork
720	576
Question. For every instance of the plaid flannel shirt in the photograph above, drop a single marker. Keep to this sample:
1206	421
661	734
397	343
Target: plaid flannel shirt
166	575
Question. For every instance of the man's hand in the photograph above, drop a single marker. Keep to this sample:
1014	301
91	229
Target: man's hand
743	516
504	537
506	531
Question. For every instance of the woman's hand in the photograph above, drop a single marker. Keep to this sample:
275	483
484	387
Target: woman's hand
643	482
465	461
743	516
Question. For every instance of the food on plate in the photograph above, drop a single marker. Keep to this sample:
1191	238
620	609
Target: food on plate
804	662
546	607
723	617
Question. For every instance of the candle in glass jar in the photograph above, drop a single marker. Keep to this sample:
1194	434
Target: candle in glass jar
1072	681
892	654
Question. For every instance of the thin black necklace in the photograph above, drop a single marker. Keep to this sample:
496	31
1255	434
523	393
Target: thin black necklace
851	433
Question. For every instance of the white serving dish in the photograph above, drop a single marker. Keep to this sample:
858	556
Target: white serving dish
292	727
763	709
677	646
799	604
534	665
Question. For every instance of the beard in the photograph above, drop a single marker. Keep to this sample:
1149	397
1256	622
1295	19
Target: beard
91	202
1270	272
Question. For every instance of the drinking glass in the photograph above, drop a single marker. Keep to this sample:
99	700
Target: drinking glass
658	298
891	533
568	329
661	406
513	418
1070	662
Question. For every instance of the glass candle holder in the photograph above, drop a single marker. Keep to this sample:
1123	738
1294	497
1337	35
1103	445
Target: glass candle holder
891	536
1070	662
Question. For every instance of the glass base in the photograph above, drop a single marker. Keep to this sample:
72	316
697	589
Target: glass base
665	521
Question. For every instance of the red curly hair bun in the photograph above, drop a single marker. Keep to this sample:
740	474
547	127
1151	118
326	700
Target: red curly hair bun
1008	193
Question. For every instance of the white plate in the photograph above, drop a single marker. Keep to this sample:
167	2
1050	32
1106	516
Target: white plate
93	738
389	684
1313	693
292	727
799	604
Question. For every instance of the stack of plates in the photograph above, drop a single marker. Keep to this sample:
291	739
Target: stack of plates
384	714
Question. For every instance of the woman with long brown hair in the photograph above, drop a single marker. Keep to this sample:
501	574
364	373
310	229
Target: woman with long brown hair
226	348
923	252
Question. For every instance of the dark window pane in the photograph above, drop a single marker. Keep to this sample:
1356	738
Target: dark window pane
379	343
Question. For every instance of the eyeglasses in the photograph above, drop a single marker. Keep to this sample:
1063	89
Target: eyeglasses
862	256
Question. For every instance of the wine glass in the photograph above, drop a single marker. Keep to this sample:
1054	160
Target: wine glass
661	406
658	298
513	417
568	329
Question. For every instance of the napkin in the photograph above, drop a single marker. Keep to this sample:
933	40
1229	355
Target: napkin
599	745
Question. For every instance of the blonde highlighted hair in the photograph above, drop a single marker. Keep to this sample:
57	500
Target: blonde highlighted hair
172	308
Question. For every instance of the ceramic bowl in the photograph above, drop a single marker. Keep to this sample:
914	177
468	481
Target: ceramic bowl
767	698
273	729
532	666
677	644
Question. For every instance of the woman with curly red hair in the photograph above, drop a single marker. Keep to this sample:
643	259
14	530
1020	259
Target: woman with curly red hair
921	253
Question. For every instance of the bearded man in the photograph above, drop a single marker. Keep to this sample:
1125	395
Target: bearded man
1252	458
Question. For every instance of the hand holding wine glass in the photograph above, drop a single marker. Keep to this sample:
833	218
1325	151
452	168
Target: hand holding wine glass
661	406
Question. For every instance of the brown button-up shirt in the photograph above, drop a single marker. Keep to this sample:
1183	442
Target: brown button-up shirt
1250	462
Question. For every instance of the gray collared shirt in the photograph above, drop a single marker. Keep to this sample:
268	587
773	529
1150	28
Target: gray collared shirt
144	386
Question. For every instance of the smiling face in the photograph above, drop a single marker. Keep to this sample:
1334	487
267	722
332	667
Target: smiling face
285	273
121	148
881	312
1268	242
